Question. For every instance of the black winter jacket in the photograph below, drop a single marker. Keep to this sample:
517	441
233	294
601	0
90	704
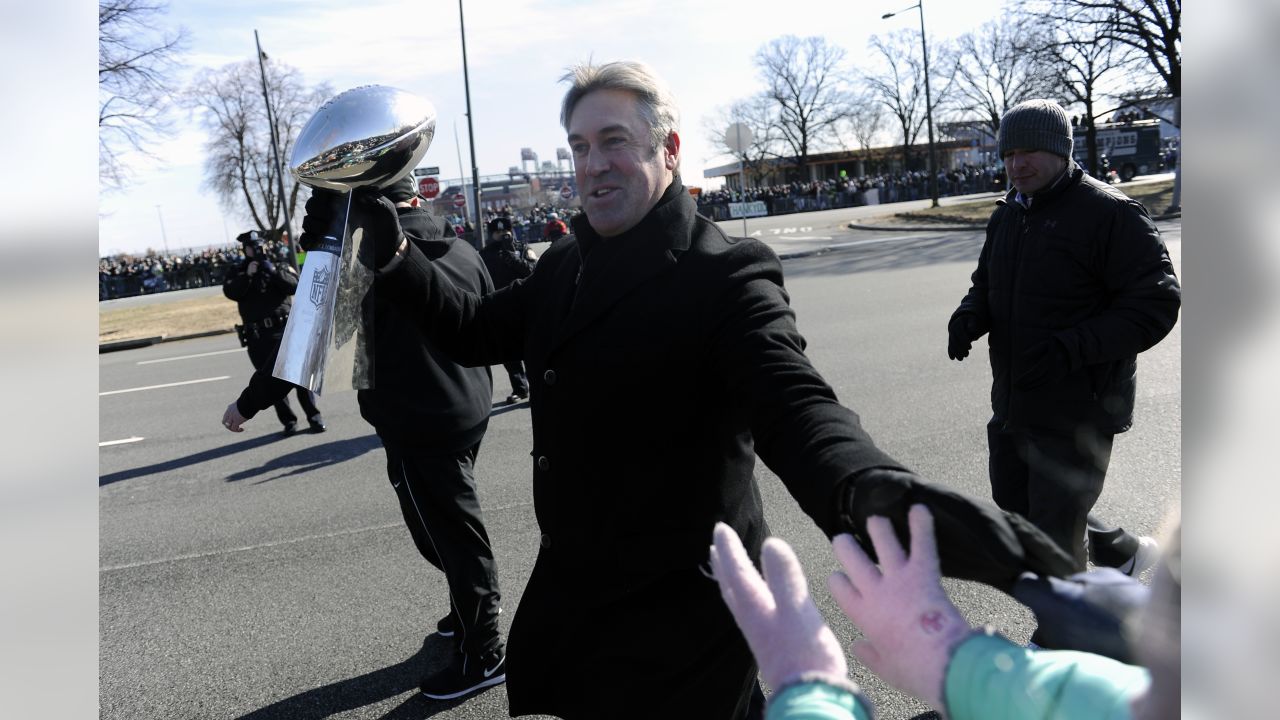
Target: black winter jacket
1085	267
420	396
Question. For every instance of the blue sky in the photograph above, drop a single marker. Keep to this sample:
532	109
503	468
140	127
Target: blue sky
516	49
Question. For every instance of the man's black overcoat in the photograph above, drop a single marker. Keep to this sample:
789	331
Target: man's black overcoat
619	618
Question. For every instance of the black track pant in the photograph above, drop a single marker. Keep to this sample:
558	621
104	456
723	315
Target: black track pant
437	493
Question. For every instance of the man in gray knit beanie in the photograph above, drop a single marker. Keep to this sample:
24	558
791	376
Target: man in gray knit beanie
1073	282
1035	144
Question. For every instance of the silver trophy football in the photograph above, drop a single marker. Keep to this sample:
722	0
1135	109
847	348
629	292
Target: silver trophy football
369	136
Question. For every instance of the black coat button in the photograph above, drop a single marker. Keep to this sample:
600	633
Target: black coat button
544	463
549	377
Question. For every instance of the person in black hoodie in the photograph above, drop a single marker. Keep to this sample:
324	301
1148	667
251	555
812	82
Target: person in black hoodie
430	414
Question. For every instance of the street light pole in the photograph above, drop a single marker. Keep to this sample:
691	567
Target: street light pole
275	153
471	137
928	102
163	237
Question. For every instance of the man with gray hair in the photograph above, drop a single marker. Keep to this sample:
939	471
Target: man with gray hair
620	618
1072	283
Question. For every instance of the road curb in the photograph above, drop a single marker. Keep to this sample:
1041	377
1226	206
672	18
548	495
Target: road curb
127	344
146	342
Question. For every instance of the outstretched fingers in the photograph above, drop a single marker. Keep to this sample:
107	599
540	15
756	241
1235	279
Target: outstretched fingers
784	576
924	544
861	571
890	551
742	588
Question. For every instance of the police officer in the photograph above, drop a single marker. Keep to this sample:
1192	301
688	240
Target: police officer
509	260
263	293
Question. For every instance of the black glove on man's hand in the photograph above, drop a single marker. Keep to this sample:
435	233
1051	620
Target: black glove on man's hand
961	332
323	208
976	540
1042	363
381	223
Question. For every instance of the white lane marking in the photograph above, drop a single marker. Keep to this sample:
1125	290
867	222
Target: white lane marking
125	441
173	384
278	543
188	357
246	548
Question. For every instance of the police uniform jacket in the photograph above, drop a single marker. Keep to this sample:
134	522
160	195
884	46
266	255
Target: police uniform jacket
627	487
264	294
1085	267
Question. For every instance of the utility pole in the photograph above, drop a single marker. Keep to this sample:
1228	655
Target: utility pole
471	137
275	153
928	101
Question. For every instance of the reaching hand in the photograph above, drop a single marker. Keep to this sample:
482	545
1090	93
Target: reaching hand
783	627
909	624
232	419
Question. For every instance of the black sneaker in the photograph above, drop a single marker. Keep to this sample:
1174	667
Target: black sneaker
466	674
316	423
290	429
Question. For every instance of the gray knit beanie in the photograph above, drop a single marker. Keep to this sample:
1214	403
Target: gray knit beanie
1036	125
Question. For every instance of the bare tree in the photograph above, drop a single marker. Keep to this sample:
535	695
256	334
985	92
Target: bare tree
802	77
137	62
239	166
899	85
1000	65
864	121
757	113
1083	67
1151	28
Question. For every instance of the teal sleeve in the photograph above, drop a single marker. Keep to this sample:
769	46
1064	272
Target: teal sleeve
991	678
817	701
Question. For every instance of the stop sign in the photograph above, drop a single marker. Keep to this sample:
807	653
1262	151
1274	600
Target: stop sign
566	192
459	200
428	187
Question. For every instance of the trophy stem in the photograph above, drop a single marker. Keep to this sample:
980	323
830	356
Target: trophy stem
304	349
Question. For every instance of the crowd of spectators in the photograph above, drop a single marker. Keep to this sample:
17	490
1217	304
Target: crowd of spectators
530	225
125	275
853	191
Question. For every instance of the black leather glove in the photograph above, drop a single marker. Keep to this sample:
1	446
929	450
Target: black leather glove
267	266
976	540
961	332
1042	363
1084	612
323	211
382	232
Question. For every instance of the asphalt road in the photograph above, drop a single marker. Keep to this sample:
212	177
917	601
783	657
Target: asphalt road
255	576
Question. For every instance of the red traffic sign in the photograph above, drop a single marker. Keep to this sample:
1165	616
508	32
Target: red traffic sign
459	200
566	192
428	187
